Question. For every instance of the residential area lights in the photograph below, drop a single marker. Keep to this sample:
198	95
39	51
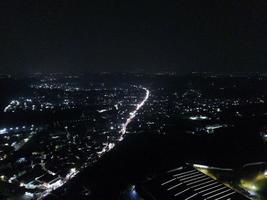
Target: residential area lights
108	146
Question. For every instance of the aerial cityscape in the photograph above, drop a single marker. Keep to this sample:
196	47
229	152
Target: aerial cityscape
72	136
133	100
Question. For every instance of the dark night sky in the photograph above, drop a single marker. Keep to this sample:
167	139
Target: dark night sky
87	35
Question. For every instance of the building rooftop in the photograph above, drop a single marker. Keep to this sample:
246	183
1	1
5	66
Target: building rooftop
187	183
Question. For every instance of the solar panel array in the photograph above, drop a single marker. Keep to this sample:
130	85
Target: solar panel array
187	183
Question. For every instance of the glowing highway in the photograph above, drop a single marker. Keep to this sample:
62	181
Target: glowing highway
123	129
133	114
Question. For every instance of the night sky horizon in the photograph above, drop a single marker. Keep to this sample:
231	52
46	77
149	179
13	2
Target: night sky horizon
119	36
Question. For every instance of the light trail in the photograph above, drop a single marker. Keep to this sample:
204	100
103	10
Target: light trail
134	113
123	130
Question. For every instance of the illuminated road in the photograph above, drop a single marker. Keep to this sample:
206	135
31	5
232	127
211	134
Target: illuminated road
133	114
123	129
